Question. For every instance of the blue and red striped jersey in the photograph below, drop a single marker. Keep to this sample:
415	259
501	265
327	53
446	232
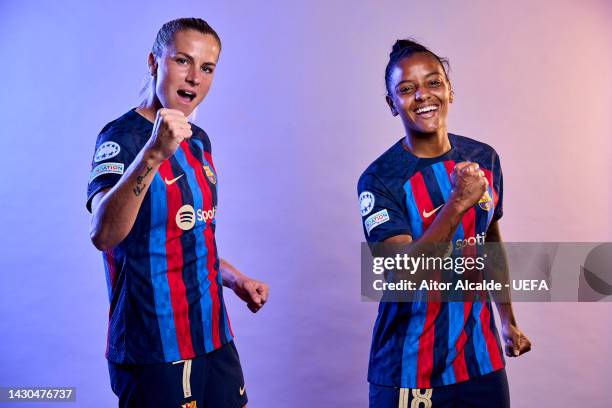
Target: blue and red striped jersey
164	285
428	344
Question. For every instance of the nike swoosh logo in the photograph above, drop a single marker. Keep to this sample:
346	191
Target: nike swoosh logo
242	390
171	182
432	212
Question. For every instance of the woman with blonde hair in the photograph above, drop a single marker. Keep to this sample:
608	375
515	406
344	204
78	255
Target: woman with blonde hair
153	197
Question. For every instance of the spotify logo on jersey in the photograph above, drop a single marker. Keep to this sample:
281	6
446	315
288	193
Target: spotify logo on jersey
185	217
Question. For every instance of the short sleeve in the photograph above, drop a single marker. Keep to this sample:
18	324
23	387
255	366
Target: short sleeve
498	184
382	213
111	159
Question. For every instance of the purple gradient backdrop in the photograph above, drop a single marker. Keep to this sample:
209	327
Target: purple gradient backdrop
295	114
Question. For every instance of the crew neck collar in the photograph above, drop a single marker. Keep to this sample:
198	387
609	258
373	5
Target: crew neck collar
451	140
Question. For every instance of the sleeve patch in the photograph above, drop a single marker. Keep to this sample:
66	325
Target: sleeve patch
106	168
106	151
366	203
375	220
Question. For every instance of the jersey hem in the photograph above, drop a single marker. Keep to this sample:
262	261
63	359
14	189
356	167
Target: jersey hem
129	361
383	383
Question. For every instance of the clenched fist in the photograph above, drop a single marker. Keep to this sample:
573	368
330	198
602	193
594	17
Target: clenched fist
468	184
516	343
170	129
253	292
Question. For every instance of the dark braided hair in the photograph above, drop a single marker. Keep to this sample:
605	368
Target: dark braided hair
406	48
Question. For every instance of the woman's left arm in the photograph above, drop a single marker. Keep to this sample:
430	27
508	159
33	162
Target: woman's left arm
253	292
515	341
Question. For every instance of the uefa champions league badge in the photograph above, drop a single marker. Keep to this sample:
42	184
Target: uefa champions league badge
106	151
486	202
366	203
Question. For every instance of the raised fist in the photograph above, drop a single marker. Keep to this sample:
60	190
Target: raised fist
170	129
468	184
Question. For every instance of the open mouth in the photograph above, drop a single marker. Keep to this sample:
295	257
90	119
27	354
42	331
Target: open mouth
428	109
187	96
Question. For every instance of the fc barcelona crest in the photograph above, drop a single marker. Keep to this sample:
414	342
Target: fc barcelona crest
486	202
209	173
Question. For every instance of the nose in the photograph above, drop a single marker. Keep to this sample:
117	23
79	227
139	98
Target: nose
193	76
421	94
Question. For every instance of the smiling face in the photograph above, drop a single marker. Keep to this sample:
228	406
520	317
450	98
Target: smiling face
420	94
184	71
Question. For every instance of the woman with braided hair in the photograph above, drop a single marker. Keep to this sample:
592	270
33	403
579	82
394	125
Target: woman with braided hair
433	186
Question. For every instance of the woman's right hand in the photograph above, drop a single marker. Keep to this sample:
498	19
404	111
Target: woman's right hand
468	184
170	129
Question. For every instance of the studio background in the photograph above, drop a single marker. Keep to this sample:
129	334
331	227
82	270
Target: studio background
295	114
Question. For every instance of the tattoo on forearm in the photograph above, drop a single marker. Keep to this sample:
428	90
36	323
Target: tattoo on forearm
140	186
138	189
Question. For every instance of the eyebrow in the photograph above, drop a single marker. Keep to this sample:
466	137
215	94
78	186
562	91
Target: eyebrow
190	58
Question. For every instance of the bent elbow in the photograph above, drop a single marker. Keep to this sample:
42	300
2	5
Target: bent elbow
98	241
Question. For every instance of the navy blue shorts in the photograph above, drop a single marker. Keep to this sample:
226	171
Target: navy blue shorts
487	391
212	380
